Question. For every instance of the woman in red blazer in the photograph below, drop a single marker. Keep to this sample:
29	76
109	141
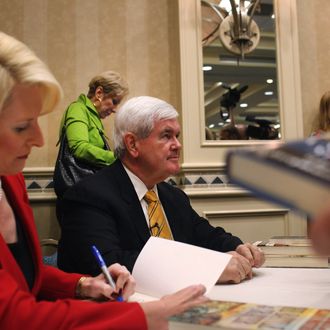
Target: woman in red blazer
33	295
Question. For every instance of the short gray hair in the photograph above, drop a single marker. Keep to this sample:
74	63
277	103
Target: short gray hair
138	115
19	65
111	82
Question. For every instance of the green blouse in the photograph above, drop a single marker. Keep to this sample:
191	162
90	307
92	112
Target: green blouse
83	126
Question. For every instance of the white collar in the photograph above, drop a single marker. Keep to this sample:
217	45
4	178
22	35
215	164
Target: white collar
140	188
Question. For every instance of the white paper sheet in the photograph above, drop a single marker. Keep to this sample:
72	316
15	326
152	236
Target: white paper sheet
298	287
166	266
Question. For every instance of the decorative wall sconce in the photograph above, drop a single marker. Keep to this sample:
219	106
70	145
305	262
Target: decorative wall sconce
231	21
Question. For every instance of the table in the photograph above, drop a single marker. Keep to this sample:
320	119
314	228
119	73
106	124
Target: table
298	287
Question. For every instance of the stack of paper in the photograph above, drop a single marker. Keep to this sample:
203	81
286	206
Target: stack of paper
165	266
286	251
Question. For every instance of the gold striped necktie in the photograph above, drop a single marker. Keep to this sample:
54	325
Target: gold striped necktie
158	225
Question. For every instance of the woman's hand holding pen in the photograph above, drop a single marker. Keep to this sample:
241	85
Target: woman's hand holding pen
99	289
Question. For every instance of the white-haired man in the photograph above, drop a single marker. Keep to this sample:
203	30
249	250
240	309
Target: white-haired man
113	208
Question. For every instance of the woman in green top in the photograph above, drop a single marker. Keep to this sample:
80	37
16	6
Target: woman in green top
83	118
84	131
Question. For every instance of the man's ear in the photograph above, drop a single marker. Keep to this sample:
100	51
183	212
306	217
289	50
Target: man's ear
130	143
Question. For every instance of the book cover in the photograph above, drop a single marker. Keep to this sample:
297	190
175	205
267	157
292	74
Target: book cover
295	175
235	315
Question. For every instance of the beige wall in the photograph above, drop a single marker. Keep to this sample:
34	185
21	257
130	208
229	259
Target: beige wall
314	47
140	39
81	38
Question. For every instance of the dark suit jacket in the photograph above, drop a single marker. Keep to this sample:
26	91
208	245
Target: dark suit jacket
104	210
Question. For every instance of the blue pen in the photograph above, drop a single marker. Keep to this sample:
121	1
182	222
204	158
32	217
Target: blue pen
104	269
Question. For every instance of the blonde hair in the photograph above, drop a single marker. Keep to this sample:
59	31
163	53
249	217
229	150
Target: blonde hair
19	65
111	82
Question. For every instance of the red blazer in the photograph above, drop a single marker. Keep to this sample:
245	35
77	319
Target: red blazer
38	309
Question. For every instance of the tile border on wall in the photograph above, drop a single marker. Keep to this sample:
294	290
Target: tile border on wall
194	181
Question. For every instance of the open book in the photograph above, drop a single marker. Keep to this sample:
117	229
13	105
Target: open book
295	174
165	266
238	315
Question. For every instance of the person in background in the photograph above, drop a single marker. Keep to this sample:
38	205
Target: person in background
83	120
323	117
124	204
320	231
232	132
32	294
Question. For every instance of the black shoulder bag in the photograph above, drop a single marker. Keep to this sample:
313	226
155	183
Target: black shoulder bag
68	169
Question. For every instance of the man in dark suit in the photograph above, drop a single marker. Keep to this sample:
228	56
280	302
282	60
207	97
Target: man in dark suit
109	208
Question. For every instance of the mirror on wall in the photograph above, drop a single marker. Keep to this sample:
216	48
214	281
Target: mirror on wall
240	80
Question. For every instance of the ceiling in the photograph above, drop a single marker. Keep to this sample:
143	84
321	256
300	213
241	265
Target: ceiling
232	71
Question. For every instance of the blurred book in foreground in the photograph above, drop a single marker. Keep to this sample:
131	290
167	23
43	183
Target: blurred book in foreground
235	315
286	251
295	174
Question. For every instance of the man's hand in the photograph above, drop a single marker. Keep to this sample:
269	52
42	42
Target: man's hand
252	253
237	270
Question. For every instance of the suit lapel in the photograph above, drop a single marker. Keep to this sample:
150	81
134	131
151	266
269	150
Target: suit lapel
132	202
